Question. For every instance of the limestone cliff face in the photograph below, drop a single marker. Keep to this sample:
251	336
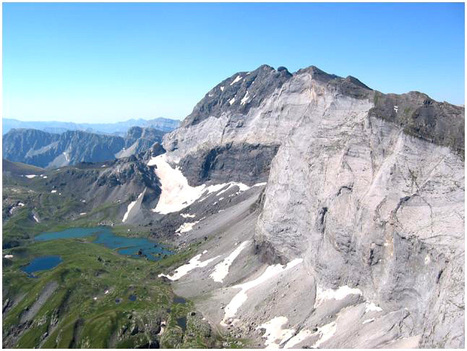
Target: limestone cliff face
369	206
367	188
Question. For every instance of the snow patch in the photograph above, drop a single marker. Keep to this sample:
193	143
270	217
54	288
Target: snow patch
8	256
176	193
186	268
326	332
297	339
222	88
20	204
186	227
231	101
338	294
239	299
241	187
237	79
222	269
30	176
53	191
244	99
35	218
187	215
274	333
368	321
82	213
369	307
130	206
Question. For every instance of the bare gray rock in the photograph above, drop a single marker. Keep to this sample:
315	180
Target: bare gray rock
364	200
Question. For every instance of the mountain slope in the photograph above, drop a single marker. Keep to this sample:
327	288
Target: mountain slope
364	203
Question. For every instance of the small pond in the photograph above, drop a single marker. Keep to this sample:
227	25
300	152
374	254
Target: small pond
182	323
43	263
134	247
179	299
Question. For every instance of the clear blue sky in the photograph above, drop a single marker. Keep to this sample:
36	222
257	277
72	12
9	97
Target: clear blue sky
89	62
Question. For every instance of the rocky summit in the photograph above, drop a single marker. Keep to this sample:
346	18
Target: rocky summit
307	210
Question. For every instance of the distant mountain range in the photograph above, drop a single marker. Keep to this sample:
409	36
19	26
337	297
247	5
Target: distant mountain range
51	150
118	128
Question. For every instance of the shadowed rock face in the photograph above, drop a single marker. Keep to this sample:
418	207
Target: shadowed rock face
245	163
421	116
367	188
259	84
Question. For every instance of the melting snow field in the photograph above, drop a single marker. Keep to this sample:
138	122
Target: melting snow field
186	268
239	299
222	269
338	294
130	206
176	193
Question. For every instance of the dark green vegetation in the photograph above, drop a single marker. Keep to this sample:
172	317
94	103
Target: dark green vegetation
95	297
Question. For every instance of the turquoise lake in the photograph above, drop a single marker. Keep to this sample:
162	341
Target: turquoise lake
104	236
43	263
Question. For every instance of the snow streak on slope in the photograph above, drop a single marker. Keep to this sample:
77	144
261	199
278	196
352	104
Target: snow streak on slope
186	268
222	269
239	299
130	206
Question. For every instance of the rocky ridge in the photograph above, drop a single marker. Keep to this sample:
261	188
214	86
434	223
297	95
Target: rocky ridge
49	150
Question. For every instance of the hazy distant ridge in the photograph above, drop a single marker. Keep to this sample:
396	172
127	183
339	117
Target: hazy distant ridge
120	128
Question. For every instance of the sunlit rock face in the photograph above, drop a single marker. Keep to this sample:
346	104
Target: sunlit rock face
370	206
366	188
